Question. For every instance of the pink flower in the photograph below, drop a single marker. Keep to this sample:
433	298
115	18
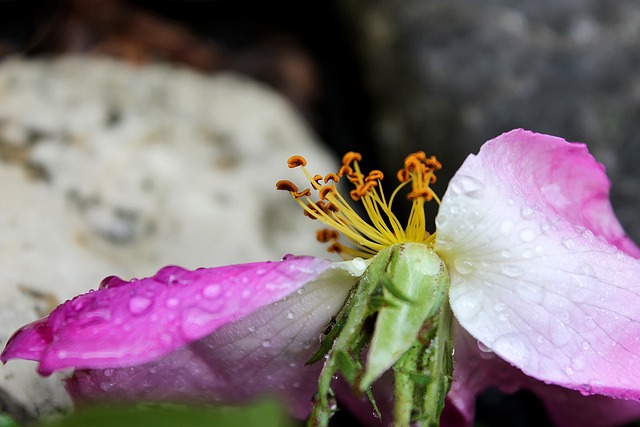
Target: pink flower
542	287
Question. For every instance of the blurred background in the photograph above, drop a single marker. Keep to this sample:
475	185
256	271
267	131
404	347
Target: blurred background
382	77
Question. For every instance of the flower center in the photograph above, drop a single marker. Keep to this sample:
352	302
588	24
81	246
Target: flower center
383	228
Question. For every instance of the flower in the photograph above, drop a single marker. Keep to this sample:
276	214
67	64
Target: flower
542	287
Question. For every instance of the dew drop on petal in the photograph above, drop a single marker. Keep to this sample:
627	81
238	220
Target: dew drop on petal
464	266
138	305
287	257
483	348
530	292
467	307
500	306
467	185
527	212
511	270
568	243
266	343
172	302
211	291
586	390
290	315
506	253
441	220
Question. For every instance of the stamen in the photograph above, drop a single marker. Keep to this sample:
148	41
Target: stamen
295	161
382	228
325	235
286	185
331	177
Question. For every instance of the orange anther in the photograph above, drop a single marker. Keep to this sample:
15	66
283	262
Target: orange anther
351	157
345	170
374	175
317	178
331	177
335	248
286	185
326	190
403	175
306	192
295	161
325	235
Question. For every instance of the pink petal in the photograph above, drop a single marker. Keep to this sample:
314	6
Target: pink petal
263	353
536	276
477	368
130	323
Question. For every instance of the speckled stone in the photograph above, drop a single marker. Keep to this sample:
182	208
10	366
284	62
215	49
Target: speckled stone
107	168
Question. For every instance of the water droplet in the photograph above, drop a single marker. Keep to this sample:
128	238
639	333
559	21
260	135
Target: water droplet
287	257
511	270
251	329
506	226
211	291
464	266
466	185
172	302
506	253
357	266
108	372
527	253
559	333
527	235
578	363
568	370
568	243
585	345
138	304
266	343
586	390
483	348
441	221
503	317
527	212
499	306
290	315
195	322
545	227
246	293
530	291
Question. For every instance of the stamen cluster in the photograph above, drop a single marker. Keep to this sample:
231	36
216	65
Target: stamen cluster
383	228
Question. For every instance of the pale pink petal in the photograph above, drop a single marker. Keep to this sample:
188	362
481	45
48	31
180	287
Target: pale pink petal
130	323
263	353
477	368
534	276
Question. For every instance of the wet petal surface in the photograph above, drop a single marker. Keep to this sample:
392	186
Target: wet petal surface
540	268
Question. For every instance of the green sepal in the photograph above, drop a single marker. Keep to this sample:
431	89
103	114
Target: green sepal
399	309
419	275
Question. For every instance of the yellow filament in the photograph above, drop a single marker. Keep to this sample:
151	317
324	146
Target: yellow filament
383	227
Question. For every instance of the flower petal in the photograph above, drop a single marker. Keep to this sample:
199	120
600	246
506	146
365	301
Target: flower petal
263	353
477	368
129	323
535	276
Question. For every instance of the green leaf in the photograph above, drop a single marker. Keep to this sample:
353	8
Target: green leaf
262	414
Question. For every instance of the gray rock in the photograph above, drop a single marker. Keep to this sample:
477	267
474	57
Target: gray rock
448	75
106	168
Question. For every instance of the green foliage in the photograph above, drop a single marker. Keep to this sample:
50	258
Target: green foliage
263	414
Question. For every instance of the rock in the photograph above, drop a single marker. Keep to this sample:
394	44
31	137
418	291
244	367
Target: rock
445	76
107	168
